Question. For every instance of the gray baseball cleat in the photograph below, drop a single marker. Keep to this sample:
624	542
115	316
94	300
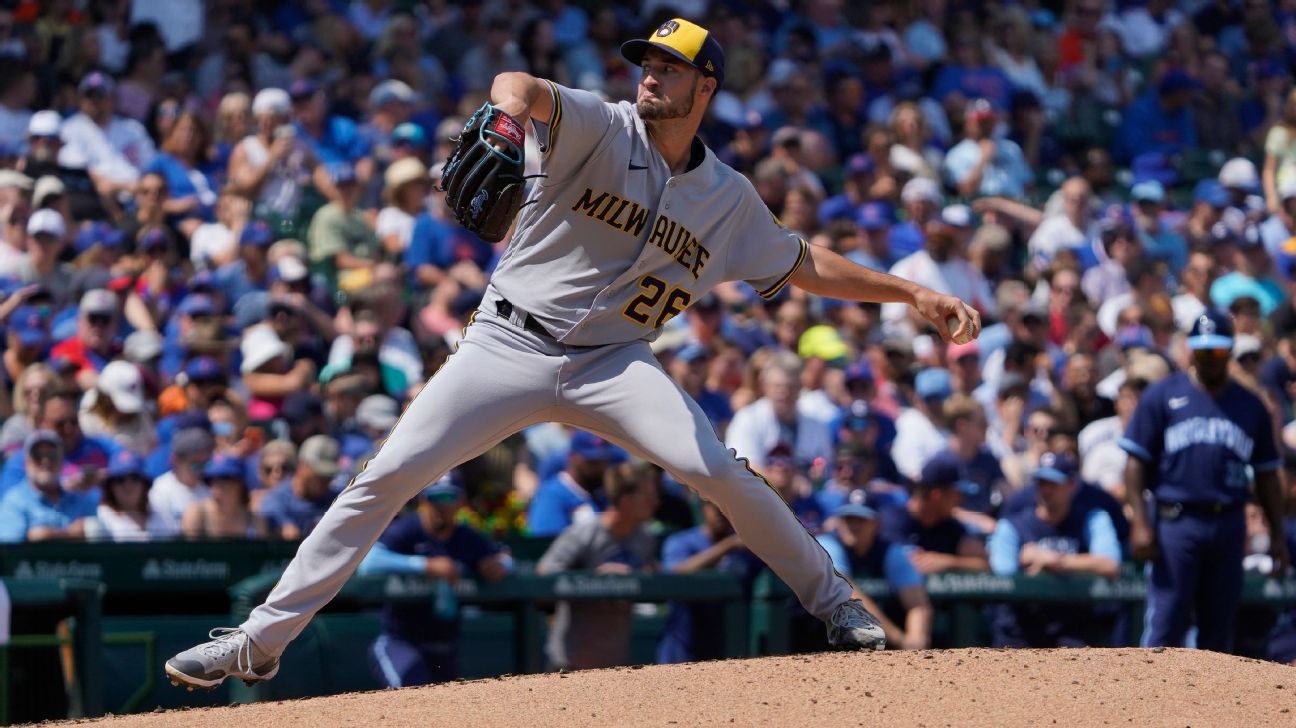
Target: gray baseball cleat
230	653
853	628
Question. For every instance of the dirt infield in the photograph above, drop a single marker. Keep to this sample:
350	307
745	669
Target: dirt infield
937	688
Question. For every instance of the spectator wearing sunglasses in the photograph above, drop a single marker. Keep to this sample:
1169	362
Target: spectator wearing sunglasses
95	342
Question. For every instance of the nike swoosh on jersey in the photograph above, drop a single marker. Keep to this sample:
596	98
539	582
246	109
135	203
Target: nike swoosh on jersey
1178	402
634	166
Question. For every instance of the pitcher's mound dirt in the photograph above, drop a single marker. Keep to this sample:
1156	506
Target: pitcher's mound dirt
979	687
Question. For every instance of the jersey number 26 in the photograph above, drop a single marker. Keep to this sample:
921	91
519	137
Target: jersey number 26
644	306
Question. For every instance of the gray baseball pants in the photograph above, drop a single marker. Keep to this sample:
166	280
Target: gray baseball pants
501	379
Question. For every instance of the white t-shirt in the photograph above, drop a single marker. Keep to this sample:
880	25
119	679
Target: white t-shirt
210	241
117	152
393	220
917	441
171	498
114	526
755	430
1054	234
954	277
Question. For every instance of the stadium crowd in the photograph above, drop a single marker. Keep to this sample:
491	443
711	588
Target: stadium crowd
226	267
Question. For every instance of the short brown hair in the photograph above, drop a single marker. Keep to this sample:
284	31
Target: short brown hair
960	407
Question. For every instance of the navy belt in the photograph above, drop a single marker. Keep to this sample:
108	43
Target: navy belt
1174	509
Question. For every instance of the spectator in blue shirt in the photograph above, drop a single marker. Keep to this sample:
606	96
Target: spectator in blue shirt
336	140
85	458
38	509
251	271
857	549
695	631
985	165
293	508
1160	121
1053	538
937	540
419	643
576	493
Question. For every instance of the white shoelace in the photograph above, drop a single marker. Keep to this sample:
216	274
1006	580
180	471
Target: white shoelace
223	640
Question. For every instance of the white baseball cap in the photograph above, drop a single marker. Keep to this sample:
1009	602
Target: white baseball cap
1239	172
271	101
260	345
921	189
121	382
46	221
47	186
45	123
291	269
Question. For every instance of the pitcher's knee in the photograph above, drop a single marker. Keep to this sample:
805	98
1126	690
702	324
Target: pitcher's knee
390	477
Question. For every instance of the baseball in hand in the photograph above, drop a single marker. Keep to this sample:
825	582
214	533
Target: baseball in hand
952	323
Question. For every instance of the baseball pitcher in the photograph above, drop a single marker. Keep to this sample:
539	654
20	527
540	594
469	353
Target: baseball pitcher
632	220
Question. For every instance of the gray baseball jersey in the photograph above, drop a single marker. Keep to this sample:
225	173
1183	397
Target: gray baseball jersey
611	248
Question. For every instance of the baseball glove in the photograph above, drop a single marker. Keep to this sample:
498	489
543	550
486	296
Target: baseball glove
483	178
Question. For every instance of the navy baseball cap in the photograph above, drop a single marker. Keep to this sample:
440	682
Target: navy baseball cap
28	324
1211	330
196	304
945	470
302	88
859	164
687	41
855	506
224	466
443	491
860	371
153	239
1055	467
256	233
593	447
124	464
203	369
875	215
96	82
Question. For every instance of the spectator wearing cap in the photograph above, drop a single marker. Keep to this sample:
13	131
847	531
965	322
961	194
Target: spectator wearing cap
1160	121
922	199
293	508
343	246
597	634
1210	200
124	514
858	549
874	220
1053	537
419	643
391	103
112	148
782	473
941	265
95	343
249	272
926	522
335	139
1069	227
368	422
967	424
1102	461
856	190
574	495
1253	274
1160	241
38	508
409	141
688	367
99	247
858	465
116	409
304	415
750	143
46	239
920	431
268	165
780	417
226	511
269	372
44	145
27	339
694	631
406	186
192	449
984	165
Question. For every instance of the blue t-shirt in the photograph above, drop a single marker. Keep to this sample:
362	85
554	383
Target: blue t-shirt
899	526
281	506
24	507
1197	447
435	620
986	82
1087	497
905	239
341	143
695	631
180	179
90	452
1148	128
884	559
554	506
716	407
